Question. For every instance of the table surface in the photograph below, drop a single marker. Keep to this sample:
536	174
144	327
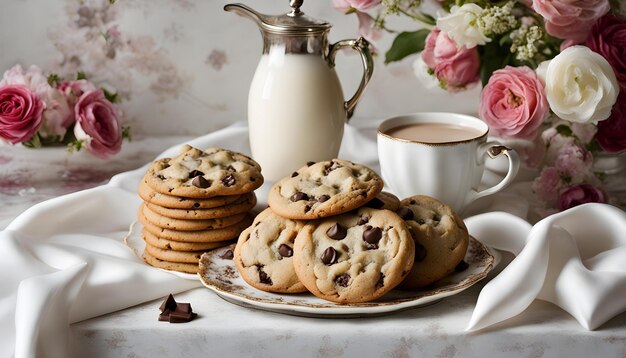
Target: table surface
226	330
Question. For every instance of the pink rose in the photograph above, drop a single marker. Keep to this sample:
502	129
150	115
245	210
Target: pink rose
581	194
58	115
571	19
608	38
547	185
454	67
361	5
513	103
20	113
98	124
574	161
612	132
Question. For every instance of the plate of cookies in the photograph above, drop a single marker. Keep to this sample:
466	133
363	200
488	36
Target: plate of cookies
193	203
332	243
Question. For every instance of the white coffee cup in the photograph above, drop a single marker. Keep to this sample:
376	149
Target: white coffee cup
449	171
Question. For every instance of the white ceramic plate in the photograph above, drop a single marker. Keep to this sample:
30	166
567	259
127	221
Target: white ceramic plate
221	276
134	241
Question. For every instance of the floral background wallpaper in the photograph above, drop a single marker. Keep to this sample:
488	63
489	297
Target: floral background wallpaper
184	66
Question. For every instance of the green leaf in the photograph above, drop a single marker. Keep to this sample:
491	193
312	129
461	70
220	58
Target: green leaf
53	79
80	75
493	57
405	44
34	142
75	146
112	2
112	97
564	130
126	133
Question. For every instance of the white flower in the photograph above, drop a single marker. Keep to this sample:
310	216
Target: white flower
424	74
580	85
462	25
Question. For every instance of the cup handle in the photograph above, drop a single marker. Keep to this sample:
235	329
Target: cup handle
362	46
495	149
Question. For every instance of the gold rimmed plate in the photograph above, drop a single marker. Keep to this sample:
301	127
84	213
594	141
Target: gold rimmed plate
220	275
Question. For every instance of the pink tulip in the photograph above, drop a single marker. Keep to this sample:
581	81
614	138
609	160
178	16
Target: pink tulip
20	113
513	103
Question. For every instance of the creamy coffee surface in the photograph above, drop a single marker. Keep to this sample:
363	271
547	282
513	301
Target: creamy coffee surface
434	132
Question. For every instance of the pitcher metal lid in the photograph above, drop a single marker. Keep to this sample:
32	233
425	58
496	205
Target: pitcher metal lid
294	22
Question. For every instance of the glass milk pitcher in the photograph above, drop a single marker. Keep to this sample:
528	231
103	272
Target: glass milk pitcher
296	107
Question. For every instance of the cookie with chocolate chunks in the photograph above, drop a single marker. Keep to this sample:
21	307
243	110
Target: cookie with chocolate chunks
354	257
440	236
168	265
239	206
324	189
167	201
189	225
264	253
203	174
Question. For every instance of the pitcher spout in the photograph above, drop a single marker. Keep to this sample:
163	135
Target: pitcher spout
245	11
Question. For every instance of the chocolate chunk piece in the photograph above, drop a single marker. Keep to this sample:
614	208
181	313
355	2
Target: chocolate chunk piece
299	196
462	266
229	180
329	256
375	203
405	213
195	173
343	280
420	252
285	250
169	304
381	281
264	277
337	232
200	182
323	198
181	317
363	220
307	208
227	255
330	167
175	312
230	168
196	205
308	164
372	235
294	174
161	177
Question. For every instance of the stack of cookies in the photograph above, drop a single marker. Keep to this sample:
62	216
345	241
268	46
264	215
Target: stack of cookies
331	231
195	202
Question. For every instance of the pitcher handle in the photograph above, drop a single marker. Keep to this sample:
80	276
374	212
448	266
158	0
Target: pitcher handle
362	46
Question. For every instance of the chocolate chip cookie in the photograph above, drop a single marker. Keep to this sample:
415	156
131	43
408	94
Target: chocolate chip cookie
241	205
189	225
167	201
166	244
441	239
264	253
168	265
204	174
324	189
354	257
223	234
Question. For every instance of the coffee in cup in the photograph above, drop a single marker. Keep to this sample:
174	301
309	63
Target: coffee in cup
441	155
